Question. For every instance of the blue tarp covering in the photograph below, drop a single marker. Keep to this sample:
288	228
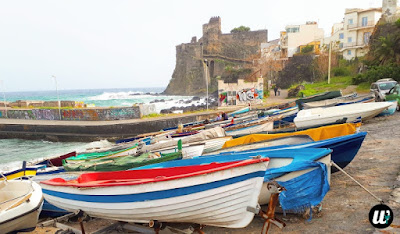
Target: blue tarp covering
305	191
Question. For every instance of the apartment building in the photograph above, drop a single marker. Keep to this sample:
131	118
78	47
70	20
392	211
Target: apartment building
358	26
296	35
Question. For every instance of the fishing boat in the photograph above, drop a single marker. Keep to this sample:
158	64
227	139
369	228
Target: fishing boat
188	151
20	205
237	120
215	194
252	129
287	140
390	110
25	171
343	139
123	162
240	111
345	100
329	115
202	137
96	155
54	161
318	97
284	165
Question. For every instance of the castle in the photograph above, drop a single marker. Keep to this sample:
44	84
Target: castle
214	55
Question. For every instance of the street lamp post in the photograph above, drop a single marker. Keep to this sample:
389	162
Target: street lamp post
4	97
206	68
58	98
329	62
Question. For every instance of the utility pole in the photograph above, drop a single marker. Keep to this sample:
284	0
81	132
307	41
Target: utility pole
58	97
4	97
329	62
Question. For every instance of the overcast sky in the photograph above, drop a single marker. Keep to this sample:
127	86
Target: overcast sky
128	44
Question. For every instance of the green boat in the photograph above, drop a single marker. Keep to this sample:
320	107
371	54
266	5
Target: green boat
97	155
318	97
122	163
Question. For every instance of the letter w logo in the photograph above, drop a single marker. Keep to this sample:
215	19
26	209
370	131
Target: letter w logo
380	218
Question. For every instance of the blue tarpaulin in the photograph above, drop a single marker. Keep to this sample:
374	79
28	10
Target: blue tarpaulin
305	191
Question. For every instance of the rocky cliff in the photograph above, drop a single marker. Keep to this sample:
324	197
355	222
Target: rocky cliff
214	56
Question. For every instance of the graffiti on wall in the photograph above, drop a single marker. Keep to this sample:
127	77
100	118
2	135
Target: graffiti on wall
249	95
75	114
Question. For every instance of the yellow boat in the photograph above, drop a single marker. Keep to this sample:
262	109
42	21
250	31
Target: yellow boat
19	173
317	134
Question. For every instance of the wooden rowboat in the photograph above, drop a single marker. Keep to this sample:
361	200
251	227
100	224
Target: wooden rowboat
216	194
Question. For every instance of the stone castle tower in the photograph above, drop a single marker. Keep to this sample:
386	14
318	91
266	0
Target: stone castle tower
389	7
235	49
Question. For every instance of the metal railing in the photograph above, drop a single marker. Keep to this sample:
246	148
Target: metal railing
354	44
355	26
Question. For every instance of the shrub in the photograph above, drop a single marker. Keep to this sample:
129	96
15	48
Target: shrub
397	23
341	71
240	29
375	73
307	49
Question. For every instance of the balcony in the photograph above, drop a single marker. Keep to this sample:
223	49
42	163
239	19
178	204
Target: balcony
369	24
353	45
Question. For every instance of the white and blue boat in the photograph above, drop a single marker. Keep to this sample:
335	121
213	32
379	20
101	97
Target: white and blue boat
284	166
214	194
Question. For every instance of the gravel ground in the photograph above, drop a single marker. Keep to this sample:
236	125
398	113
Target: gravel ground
346	206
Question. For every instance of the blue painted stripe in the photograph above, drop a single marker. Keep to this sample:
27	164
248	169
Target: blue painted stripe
156	195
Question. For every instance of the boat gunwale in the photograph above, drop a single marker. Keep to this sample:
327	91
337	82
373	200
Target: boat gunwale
176	175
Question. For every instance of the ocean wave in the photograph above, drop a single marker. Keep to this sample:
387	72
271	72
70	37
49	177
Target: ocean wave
118	95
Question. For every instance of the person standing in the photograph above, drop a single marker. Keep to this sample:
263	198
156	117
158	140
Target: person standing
275	89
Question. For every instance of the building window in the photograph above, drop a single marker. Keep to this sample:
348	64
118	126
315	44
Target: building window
364	21
293	30
340	45
367	36
349	52
349	39
350	21
341	36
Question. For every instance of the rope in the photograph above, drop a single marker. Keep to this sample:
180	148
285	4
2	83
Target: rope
340	169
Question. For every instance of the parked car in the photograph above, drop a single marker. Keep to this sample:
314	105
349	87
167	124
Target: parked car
394	95
381	87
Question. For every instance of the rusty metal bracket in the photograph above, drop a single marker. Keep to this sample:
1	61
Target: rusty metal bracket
269	217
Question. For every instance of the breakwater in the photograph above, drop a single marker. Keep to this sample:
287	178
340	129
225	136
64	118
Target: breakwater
87	131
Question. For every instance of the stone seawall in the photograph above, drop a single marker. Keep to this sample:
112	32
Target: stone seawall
92	114
86	131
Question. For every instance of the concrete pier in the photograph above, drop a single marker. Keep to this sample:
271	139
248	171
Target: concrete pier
86	131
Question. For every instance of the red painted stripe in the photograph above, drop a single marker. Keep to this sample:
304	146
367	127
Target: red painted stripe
135	177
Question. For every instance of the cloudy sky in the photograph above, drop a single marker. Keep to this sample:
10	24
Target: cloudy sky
127	43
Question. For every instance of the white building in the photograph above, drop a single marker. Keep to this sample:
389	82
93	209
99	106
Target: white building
240	93
358	26
297	35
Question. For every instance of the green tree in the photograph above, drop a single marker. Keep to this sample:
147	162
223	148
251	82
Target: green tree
307	49
387	49
240	29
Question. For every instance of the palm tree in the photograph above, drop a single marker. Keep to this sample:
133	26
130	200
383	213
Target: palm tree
387	49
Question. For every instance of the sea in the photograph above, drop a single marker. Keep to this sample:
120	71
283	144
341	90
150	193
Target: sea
14	151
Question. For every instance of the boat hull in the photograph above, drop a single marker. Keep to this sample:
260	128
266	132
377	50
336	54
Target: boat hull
217	199
329	115
23	217
187	152
265	127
